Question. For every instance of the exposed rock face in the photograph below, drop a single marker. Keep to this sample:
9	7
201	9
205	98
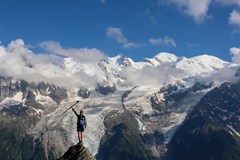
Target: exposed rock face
56	93
10	87
77	152
22	106
84	93
122	140
211	131
105	90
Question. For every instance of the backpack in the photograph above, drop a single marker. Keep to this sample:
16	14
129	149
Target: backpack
82	120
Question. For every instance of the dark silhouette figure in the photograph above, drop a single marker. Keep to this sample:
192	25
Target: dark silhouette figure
81	124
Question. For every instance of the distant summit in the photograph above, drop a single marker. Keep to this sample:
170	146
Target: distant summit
164	57
77	152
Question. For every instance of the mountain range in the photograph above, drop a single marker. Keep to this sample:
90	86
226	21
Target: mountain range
165	107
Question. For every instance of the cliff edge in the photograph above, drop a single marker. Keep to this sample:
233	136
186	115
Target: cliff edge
77	152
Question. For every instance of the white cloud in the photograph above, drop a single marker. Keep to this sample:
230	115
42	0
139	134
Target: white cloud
132	45
151	76
236	54
226	74
2	51
229	2
18	47
116	34
82	54
19	62
166	41
234	18
197	9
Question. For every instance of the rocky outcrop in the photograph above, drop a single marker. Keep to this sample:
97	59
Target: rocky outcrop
84	93
211	130
77	152
22	106
123	139
9	87
105	90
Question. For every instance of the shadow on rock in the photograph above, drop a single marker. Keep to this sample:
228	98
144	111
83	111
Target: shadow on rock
77	152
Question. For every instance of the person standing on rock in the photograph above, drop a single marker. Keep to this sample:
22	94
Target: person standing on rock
81	124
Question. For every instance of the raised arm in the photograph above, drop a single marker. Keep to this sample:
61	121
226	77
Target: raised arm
74	111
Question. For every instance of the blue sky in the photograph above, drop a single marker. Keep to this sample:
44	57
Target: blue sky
134	28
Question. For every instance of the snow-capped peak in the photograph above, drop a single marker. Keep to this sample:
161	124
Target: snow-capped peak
200	64
165	57
161	58
113	69
119	60
90	69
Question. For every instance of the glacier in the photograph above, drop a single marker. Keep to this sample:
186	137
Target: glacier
149	75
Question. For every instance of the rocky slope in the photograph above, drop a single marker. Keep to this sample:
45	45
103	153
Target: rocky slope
77	152
22	106
211	131
123	140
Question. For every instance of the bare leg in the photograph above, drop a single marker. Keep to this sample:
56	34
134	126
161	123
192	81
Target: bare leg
79	137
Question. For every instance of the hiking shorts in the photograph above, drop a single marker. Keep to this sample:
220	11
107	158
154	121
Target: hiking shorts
80	128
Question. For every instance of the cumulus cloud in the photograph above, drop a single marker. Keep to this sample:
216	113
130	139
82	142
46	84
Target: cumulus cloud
197	9
19	62
151	76
18	47
166	41
116	34
234	18
236	54
226	74
82	54
229	2
132	45
60	67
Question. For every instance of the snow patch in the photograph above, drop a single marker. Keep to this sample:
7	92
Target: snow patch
43	100
95	109
38	111
200	64
17	97
141	126
15	100
176	120
232	129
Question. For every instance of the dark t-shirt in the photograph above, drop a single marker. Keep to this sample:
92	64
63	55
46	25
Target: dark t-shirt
80	117
79	126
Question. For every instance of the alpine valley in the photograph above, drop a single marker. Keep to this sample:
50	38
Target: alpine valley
163	108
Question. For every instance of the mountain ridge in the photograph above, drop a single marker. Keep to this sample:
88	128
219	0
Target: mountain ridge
163	97
211	130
